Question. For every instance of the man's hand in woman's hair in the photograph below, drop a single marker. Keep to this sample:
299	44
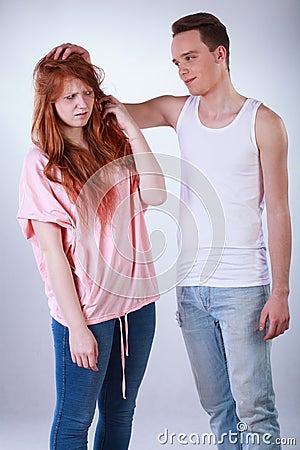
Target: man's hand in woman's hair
64	50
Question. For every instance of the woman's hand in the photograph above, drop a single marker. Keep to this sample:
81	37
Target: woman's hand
65	50
84	348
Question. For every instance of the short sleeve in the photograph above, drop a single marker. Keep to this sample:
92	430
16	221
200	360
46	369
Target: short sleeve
39	198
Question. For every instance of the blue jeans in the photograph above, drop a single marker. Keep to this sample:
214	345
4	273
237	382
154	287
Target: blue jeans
78	390
231	363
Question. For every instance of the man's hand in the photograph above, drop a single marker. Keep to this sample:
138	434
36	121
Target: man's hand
64	50
109	104
276	313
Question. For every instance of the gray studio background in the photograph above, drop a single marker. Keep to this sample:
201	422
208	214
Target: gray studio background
131	41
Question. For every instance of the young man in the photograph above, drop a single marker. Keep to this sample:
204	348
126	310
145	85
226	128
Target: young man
228	320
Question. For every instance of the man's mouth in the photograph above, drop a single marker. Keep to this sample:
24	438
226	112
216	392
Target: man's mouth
189	81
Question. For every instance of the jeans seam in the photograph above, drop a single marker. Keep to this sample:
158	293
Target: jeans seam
62	400
225	354
104	394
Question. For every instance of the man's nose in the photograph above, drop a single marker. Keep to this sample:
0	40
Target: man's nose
183	70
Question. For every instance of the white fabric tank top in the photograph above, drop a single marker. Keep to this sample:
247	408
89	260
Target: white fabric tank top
220	233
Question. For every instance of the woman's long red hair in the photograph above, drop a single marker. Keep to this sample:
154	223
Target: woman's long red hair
106	141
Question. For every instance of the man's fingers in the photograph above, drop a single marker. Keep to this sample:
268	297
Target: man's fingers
56	52
276	328
263	320
51	53
271	332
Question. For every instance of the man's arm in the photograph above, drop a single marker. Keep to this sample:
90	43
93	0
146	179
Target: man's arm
273	143
157	112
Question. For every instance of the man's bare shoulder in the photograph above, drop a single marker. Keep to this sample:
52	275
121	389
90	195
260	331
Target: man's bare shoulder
266	115
269	127
169	106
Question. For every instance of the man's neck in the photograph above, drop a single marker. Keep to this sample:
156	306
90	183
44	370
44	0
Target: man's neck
220	107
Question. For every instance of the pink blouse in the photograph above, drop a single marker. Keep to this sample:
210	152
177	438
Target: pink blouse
112	265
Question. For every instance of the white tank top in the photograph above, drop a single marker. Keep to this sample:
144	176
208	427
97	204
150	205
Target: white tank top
220	233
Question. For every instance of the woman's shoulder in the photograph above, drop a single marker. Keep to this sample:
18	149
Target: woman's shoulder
34	163
35	156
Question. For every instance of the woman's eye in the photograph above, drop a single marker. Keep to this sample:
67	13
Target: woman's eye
69	97
88	92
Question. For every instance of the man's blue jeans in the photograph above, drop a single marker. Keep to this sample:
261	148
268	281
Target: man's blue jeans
79	389
231	363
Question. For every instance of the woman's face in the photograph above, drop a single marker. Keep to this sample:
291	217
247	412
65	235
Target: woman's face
75	104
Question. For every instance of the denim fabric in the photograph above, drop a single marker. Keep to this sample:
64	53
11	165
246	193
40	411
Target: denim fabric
231	363
79	389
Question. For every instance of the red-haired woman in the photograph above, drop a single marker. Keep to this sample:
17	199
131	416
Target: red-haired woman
84	188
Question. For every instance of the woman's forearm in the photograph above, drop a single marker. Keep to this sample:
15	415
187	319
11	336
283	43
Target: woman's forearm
62	284
152	182
59	272
83	346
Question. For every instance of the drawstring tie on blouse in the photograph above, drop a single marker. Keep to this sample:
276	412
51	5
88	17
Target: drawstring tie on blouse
124	351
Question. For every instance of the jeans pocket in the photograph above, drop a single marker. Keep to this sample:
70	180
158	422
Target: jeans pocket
180	294
266	291
178	319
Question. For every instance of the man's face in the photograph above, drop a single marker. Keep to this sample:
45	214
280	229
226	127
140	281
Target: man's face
197	65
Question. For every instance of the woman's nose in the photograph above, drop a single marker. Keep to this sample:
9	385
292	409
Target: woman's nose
81	102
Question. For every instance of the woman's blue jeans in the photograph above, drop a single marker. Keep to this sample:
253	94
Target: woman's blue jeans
78	390
231	363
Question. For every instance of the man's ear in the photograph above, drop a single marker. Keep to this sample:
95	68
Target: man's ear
220	54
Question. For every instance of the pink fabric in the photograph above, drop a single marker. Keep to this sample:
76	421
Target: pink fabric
112	267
